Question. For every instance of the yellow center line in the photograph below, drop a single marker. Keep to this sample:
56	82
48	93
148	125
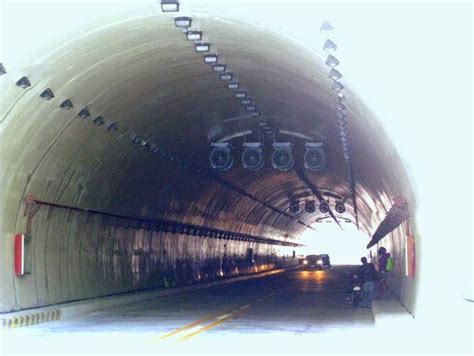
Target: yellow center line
192	325
225	317
210	326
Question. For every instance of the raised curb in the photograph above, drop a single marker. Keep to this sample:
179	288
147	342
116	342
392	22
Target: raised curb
67	310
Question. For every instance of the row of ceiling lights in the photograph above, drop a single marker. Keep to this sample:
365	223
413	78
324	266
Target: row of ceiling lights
48	94
212	59
282	157
341	113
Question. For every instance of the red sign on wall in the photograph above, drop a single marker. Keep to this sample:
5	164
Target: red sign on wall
22	254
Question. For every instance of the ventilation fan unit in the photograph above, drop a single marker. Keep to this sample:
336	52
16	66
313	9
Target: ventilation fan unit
314	157
252	156
324	207
221	156
340	207
282	157
310	206
295	206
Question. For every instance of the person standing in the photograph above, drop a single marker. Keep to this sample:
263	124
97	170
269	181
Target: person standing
368	274
383	257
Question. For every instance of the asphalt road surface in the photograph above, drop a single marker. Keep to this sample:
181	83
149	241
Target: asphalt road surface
291	312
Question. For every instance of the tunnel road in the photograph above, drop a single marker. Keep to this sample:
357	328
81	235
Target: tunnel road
283	312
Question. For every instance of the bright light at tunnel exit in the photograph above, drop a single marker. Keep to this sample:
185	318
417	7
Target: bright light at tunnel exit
345	246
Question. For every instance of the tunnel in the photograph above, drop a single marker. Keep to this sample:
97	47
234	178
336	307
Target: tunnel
115	120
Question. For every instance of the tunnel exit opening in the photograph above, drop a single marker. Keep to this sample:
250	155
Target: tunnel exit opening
345	245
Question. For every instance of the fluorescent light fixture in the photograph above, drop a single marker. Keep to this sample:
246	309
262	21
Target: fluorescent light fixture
112	127
337	86
218	67
326	26
340	106
169	5
233	85
210	58
23	82
84	113
329	46
99	120
194	35
202	47
247	101
226	76
47	94
66	104
335	74
250	108
241	95
183	22
332	61
255	113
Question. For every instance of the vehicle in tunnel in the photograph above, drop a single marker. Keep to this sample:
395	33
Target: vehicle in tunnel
312	262
324	261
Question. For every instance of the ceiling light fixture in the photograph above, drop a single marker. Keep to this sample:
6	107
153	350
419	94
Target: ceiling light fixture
84	113
194	35
202	47
329	46
332	61
335	74
66	104
226	76
218	68
169	5
240	95
183	22
23	82
233	85
47	94
337	86
210	58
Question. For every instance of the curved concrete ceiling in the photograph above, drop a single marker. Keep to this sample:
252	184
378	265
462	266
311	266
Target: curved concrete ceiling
140	72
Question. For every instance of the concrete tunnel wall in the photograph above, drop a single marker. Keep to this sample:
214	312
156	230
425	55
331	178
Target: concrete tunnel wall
134	68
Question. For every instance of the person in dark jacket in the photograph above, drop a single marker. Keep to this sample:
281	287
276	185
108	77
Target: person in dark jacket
368	275
383	256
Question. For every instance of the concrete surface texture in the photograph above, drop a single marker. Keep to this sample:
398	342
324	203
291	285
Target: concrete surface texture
135	136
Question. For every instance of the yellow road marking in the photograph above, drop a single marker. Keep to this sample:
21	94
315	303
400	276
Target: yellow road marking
208	327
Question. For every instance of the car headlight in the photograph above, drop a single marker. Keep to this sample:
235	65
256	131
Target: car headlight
320	262
305	262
